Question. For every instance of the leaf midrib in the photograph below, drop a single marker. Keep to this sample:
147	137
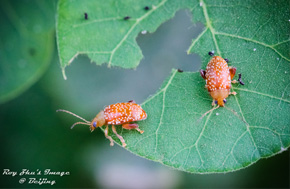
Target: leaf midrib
138	20
214	33
208	23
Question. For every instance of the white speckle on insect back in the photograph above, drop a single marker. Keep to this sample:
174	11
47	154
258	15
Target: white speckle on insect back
217	74
144	32
254	49
120	113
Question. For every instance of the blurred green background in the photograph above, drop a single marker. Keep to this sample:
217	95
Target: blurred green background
33	136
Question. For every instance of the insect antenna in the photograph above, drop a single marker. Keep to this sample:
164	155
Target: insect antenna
207	113
83	123
77	123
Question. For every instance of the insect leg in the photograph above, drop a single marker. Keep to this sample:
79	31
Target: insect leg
232	93
119	136
240	79
132	126
202	73
213	102
108	137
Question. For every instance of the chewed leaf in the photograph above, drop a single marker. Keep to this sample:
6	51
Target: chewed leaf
226	139
254	124
108	35
253	36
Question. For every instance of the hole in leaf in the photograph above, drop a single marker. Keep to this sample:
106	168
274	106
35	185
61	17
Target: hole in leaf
163	50
166	47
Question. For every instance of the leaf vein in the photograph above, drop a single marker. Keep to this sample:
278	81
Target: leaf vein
208	23
231	151
163	107
266	128
131	29
196	40
253	41
274	45
246	90
247	125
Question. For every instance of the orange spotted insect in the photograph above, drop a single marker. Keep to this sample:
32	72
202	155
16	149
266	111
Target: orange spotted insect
115	114
218	78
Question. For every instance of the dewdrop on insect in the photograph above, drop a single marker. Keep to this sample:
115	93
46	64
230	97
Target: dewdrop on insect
115	114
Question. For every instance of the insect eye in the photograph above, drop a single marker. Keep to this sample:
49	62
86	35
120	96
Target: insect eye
225	101
95	124
215	102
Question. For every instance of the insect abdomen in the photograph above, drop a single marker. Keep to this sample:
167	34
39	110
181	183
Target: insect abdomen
120	113
217	75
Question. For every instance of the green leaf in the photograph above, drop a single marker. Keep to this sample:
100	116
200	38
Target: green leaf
255	124
26	44
253	35
105	36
